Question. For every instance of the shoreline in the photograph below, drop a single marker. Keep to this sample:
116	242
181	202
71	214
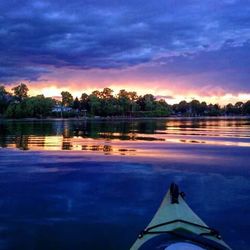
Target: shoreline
127	118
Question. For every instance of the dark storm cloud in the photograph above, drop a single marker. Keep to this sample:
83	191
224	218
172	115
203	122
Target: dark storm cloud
14	74
229	67
36	36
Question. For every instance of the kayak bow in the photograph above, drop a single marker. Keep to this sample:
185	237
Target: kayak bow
176	226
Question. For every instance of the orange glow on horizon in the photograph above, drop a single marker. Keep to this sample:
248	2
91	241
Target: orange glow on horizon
53	90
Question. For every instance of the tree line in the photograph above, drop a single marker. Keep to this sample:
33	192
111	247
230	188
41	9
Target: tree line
18	104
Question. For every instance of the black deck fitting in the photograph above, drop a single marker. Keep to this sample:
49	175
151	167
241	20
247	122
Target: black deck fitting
174	192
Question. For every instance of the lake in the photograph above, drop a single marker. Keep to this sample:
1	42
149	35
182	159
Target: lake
96	184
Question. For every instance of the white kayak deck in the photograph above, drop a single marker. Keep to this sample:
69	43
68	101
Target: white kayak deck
169	212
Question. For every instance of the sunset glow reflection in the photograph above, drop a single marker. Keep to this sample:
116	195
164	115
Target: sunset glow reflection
137	139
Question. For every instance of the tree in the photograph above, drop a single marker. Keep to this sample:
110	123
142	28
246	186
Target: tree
35	106
162	108
107	101
94	103
229	109
183	107
20	92
124	101
4	99
246	108
147	102
67	99
132	95
106	93
2	91
203	108
84	101
97	93
76	103
104	103
16	110
238	108
213	110
195	107
39	106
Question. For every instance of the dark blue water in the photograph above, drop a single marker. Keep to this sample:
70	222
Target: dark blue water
66	200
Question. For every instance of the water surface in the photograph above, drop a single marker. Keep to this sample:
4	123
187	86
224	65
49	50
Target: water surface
115	137
95	185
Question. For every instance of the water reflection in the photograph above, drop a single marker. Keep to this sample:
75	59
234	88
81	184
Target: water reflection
111	137
57	143
49	198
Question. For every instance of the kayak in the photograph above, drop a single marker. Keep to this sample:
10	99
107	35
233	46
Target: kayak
176	227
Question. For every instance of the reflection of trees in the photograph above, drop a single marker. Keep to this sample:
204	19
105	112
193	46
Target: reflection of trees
66	145
107	148
36	134
67	130
148	127
26	142
6	139
67	133
80	129
60	134
19	128
104	148
3	136
22	142
24	135
123	130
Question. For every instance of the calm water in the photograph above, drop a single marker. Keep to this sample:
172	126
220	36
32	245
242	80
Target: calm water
95	185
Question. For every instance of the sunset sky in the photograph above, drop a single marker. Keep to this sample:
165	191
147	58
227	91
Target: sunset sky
175	49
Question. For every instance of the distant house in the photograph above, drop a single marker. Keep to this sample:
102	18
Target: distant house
59	109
